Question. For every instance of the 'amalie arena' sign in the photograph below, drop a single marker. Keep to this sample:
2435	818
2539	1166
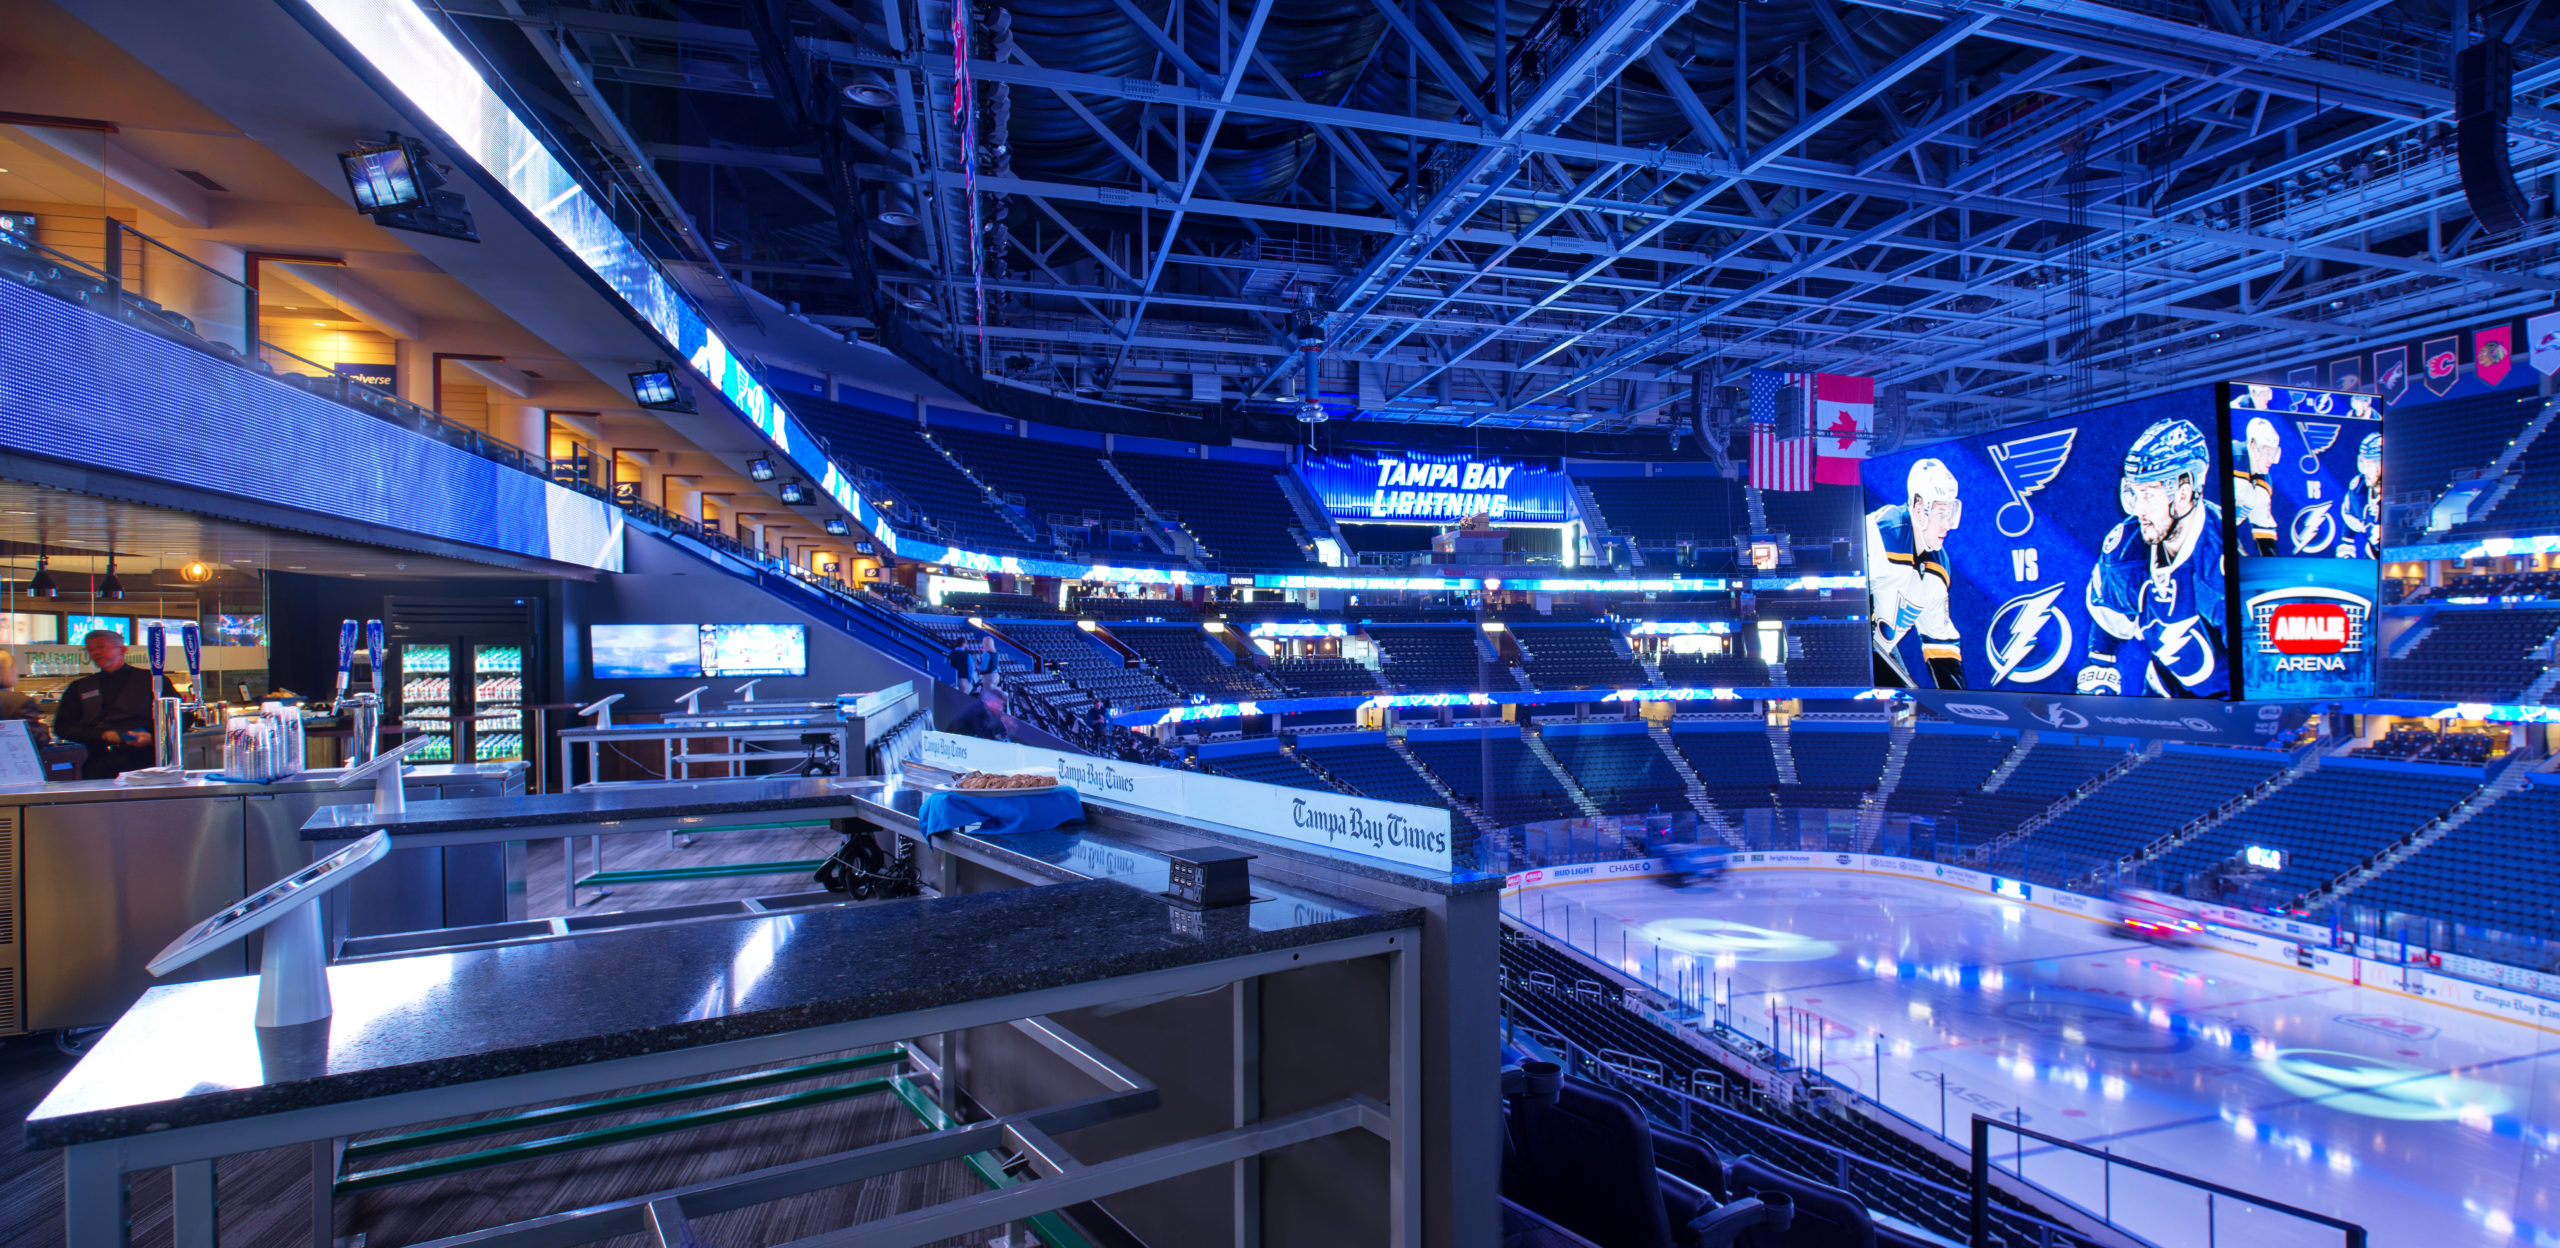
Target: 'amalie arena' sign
1425	488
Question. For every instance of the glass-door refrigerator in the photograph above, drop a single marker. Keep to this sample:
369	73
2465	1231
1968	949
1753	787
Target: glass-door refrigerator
426	698
463	667
497	704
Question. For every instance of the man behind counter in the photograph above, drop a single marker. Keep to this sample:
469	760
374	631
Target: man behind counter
109	712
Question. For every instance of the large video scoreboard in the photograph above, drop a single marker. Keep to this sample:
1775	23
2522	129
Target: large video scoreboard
2217	543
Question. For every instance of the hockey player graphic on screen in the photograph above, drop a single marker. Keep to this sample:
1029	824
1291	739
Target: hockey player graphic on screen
2251	490
1916	642
2363	512
2155	592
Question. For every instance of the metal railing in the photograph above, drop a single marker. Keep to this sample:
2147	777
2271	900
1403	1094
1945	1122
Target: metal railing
2215	1194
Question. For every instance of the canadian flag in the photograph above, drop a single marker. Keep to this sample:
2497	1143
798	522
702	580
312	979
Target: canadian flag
1844	426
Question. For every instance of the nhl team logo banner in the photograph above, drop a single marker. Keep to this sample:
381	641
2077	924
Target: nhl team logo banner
2391	372
2347	374
2542	342
2441	358
2492	352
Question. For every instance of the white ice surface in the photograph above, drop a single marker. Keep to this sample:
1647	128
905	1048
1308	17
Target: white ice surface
2428	1124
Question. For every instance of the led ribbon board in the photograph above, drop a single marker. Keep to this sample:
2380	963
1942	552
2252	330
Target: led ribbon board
1418	488
401	43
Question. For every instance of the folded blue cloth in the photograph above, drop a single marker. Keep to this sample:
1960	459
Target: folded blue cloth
998	811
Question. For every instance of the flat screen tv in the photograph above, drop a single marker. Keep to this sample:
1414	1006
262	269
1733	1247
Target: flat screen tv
755	650
643	651
76	628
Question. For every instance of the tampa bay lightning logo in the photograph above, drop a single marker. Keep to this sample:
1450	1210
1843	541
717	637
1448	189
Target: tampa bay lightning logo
2170	653
2315	439
2027	465
2314	528
2031	638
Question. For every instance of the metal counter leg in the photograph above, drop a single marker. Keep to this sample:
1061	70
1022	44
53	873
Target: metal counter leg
93	1196
191	1211
1404	1084
324	1190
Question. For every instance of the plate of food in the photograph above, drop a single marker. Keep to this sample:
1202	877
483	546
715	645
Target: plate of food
997	783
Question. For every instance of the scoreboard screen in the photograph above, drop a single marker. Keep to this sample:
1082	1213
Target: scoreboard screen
2211	543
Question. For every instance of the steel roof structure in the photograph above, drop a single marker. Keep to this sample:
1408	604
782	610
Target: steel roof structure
1561	216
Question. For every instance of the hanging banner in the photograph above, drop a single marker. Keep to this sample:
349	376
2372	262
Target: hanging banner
2542	342
2347	374
2492	351
2391	372
1419	488
2442	360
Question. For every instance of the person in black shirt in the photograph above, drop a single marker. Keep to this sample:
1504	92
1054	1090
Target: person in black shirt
109	712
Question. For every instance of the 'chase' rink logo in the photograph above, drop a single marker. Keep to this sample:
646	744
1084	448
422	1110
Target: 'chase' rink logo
2027	465
2034	639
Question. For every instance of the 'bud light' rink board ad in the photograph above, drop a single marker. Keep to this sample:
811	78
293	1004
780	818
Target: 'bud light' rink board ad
2111	553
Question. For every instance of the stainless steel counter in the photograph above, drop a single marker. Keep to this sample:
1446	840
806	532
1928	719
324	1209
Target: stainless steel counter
107	874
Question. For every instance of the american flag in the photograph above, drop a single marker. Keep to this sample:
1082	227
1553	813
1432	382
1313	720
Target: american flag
1781	462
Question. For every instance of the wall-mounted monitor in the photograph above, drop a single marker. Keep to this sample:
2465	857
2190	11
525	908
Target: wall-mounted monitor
658	389
171	628
382	177
30	629
238	630
76	628
18	226
755	650
644	651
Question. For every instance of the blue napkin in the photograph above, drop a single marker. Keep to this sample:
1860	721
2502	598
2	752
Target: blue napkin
1025	812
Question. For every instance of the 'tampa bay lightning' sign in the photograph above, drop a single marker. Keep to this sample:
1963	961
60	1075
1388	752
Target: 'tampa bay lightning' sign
1414	836
1419	487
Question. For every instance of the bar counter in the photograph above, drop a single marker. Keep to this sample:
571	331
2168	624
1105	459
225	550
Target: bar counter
110	873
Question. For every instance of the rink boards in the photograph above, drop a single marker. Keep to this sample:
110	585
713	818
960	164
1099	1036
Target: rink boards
2494	989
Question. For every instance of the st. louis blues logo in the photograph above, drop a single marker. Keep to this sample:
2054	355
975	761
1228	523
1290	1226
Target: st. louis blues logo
2027	465
2314	528
2032	639
2315	439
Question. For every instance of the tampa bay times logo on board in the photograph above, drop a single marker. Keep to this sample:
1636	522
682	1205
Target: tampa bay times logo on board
1351	823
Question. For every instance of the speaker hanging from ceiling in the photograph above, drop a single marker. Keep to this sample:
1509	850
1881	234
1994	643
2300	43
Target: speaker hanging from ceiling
2483	94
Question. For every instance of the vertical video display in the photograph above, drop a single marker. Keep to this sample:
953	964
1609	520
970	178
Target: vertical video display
2306	471
2081	555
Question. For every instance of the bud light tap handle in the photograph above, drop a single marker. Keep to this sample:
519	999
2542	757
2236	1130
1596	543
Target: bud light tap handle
192	638
346	654
373	650
157	637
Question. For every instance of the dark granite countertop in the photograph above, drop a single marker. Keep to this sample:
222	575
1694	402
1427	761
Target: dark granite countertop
534	810
188	1054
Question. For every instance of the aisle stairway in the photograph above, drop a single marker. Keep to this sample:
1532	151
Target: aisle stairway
1537	744
2008	766
2028	826
2514	775
2205	823
1471	814
1871	808
1782	752
1708	812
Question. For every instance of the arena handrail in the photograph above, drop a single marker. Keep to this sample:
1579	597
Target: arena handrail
1980	1196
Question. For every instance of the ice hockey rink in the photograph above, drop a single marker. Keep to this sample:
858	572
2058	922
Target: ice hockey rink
2424	1122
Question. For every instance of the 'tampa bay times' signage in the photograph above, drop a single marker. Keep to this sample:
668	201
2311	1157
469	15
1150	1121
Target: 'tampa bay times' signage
1418	487
1414	836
